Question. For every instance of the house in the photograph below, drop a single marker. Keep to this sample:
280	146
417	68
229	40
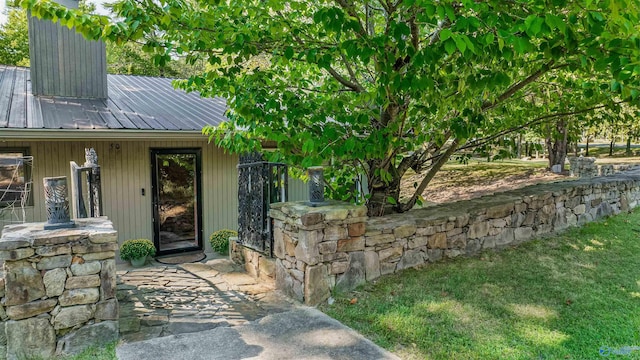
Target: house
161	178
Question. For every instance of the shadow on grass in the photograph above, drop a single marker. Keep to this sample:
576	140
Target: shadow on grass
555	298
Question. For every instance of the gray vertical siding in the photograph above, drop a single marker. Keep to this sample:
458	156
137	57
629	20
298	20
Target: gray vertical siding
127	170
64	63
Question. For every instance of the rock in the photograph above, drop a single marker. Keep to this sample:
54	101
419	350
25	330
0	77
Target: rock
30	339
417	241
79	282
54	281
379	239
352	244
289	245
108	280
54	250
506	237
307	248
278	243
267	266
52	262
523	234
500	211
371	265
17	254
404	231
437	241
478	230
30	309
336	214
390	254
107	310
357	229
287	284
3	317
339	267
411	258
79	297
69	317
387	268
14	244
23	283
311	219
2	291
94	248
58	237
316	285
580	209
434	254
87	268
473	247
335	233
355	275
99	256
96	335
104	237
328	247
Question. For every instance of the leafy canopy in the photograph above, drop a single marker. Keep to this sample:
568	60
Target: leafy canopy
378	87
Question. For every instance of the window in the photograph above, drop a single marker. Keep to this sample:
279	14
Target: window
15	177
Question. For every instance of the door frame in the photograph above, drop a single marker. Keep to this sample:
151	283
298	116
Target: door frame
198	194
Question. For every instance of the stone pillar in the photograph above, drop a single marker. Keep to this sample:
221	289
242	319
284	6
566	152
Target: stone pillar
58	293
318	249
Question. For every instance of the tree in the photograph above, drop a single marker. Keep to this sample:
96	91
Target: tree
378	87
14	38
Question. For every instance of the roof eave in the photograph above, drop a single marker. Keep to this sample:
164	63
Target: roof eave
106	134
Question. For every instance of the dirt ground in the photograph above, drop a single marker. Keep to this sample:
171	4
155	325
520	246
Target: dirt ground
462	182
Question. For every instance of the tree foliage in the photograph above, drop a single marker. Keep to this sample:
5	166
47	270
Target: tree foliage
14	38
378	87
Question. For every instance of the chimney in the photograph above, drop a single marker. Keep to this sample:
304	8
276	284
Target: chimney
63	62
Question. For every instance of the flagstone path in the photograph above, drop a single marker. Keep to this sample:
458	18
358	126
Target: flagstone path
162	300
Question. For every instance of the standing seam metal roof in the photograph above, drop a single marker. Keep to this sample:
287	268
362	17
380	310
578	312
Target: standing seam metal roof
134	103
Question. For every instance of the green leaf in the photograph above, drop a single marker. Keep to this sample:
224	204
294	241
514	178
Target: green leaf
391	200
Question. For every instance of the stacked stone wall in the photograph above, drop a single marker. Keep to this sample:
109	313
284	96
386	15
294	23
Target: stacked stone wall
337	247
255	263
58	289
587	167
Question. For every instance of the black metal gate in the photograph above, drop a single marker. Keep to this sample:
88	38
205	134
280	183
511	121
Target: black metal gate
260	183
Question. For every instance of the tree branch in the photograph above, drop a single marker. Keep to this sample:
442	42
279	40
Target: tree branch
427	179
355	87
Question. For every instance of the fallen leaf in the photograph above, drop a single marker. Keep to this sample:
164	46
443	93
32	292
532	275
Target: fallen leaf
444	293
353	301
569	302
77	260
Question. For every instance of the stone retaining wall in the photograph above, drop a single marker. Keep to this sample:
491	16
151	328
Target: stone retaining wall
255	263
586	167
58	293
337	247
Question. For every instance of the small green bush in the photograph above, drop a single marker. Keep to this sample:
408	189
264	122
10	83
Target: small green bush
220	240
135	249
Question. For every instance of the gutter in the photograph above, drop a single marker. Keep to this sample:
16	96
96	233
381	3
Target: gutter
89	135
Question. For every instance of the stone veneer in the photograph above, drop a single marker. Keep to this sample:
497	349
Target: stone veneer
58	292
319	249
255	263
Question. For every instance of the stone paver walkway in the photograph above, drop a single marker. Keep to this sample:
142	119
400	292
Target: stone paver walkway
162	300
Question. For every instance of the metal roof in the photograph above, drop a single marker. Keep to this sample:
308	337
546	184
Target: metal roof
134	103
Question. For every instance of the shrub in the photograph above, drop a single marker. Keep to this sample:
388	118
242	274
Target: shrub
135	249
220	240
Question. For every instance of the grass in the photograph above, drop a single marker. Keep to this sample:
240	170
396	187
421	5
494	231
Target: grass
563	297
106	353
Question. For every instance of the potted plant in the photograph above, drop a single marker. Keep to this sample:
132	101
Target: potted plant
136	251
220	240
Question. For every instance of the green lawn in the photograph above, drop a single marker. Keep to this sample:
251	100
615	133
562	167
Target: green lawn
563	297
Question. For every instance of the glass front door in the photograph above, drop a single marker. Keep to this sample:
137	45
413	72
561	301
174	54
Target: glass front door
177	200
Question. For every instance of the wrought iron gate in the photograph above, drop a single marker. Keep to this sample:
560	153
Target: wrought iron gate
260	184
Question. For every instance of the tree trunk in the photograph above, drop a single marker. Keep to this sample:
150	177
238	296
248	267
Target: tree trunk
611	144
556	142
628	146
381	193
586	153
519	146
